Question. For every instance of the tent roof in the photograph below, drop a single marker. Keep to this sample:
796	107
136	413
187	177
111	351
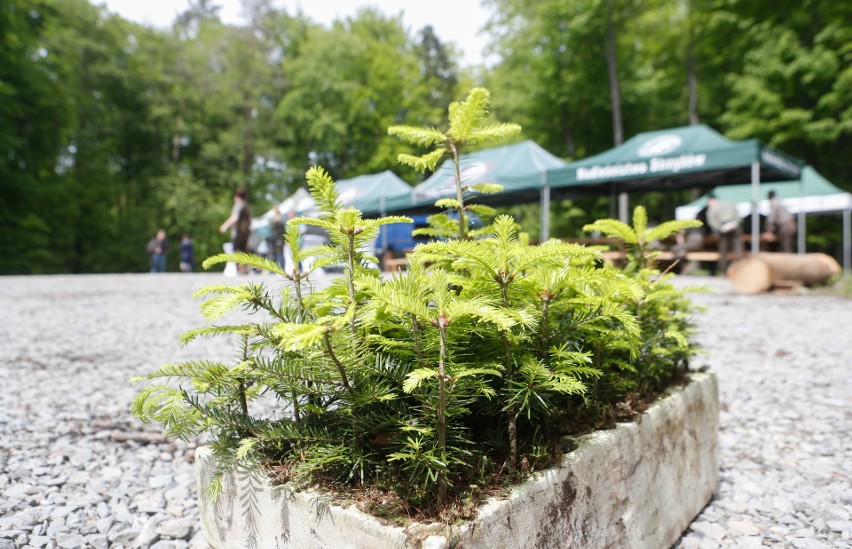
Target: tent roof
298	202
685	156
366	192
518	167
812	193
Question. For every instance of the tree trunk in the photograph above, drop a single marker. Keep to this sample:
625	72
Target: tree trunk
612	71
691	81
570	148
248	139
459	194
442	408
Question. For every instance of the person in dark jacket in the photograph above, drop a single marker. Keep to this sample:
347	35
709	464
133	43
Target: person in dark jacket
240	224
157	249
277	226
187	254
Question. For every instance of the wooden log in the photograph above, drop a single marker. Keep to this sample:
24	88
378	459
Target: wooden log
758	273
809	269
750	275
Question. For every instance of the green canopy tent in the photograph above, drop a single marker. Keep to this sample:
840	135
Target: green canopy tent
371	192
520	167
689	156
811	193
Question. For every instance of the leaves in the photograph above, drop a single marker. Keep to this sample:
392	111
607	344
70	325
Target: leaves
323	191
613	228
428	161
422	137
486	188
298	337
244	259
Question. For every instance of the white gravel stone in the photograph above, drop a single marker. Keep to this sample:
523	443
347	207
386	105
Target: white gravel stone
123	537
743	528
40	541
20	491
98	541
71	541
148	536
175	529
840	525
805	543
747	542
708	529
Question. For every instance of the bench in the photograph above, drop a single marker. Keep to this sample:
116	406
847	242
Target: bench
617	257
698	255
394	264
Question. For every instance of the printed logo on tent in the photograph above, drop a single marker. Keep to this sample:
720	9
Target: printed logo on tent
348	196
663	144
472	173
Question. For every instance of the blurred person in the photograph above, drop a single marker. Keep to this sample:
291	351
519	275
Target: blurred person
157	249
724	220
277	226
187	254
780	225
288	253
690	240
239	222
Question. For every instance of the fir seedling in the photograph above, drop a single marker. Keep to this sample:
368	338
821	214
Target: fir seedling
508	269
662	311
640	236
468	126
434	305
435	384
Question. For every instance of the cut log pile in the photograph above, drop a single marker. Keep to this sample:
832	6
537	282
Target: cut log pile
764	271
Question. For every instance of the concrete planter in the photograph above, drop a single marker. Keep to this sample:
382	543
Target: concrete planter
638	485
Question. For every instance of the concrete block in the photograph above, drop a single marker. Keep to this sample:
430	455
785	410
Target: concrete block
637	485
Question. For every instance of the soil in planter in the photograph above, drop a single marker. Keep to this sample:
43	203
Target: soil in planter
390	508
584	419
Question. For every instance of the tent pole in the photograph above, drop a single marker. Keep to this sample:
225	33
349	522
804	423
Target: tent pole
755	215
612	199
545	210
383	229
801	239
847	239
623	208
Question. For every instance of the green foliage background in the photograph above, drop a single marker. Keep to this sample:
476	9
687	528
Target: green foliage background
110	130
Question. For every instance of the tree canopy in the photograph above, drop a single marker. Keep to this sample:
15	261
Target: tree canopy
110	130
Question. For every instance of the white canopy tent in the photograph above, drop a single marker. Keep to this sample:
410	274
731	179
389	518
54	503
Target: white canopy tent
811	194
299	202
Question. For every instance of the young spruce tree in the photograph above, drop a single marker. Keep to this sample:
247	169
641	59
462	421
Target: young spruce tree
468	127
434	384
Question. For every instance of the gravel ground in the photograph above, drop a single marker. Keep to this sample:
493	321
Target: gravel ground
76	470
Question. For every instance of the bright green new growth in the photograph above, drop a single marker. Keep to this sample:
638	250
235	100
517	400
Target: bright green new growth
468	127
640	235
434	385
664	310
